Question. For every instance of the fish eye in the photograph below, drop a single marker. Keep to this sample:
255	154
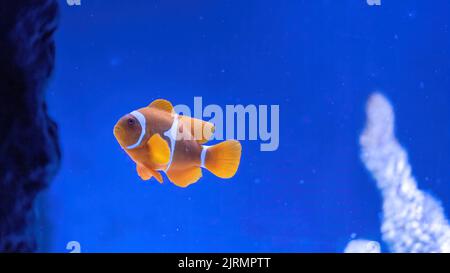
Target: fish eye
131	121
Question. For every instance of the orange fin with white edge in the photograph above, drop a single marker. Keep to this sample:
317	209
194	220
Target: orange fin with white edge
159	150
162	104
223	159
145	173
184	178
202	131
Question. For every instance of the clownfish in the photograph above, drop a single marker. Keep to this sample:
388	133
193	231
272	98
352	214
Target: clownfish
159	140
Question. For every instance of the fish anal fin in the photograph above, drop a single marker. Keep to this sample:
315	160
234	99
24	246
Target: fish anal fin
202	131
162	104
184	178
159	150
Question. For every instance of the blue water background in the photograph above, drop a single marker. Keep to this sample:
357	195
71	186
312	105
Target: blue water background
319	60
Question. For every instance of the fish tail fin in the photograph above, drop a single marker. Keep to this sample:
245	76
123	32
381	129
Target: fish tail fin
222	159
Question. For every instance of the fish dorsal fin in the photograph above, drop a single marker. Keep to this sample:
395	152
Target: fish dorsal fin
159	150
162	104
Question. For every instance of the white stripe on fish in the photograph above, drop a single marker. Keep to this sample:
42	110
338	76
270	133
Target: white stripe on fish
140	117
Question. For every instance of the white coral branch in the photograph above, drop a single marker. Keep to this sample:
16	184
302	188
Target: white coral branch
362	246
413	221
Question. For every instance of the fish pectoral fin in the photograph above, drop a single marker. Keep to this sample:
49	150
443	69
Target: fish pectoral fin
143	172
157	175
202	131
159	150
183	178
162	104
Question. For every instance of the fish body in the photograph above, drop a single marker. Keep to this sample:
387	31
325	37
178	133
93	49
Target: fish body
158	140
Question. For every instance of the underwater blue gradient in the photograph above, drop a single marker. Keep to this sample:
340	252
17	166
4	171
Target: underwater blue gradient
319	60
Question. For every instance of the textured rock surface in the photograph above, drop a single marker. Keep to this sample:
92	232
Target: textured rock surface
29	150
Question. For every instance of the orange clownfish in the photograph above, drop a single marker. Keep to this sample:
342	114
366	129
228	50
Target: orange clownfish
157	139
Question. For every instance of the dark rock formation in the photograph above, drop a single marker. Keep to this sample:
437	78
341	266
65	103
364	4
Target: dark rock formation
29	149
